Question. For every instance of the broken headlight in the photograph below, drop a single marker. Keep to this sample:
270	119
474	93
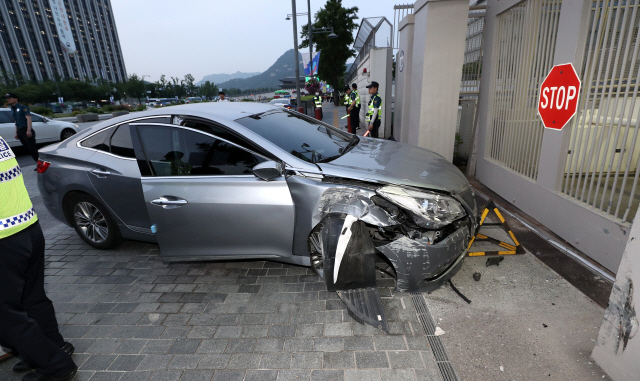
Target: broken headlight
429	210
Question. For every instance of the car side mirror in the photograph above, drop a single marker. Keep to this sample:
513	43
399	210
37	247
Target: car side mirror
268	170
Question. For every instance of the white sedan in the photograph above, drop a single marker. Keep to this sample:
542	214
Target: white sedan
47	130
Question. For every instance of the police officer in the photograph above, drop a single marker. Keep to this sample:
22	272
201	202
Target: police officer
318	101
345	98
354	108
374	114
28	322
24	131
222	96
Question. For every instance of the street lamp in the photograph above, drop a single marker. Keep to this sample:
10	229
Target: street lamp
295	47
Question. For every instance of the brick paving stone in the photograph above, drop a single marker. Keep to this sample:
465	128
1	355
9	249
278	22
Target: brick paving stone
197	375
279	360
228	375
149	332
390	342
294	375
131	346
306	360
213	346
269	345
398	375
214	361
358	343
371	360
126	363
338	329
327	375
241	346
157	347
189	361
228	332
185	346
298	344
328	344
106	376
361	375
134	376
288	330
309	330
98	362
166	375
338	360
405	359
154	362
244	361
261	375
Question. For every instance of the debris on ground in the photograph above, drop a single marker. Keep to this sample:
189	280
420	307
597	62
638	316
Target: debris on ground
439	331
476	276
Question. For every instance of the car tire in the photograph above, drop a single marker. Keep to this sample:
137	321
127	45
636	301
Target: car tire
93	222
316	251
66	134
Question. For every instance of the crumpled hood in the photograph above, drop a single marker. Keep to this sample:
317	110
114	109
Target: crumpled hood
397	163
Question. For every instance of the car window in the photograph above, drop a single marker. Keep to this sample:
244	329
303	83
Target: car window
299	135
121	144
97	141
5	117
174	151
36	118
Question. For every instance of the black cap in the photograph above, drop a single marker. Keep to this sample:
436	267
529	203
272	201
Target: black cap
355	86
373	84
221	92
346	87
11	95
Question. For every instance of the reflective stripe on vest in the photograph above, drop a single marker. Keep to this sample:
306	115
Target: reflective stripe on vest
371	108
318	101
346	99
357	98
16	209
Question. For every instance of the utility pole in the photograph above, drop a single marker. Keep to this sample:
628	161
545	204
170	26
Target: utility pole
310	38
295	46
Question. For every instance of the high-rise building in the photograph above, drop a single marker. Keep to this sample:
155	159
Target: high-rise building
32	33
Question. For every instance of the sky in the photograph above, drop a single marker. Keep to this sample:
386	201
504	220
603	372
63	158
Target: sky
201	37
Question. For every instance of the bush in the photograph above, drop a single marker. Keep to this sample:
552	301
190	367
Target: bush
92	109
141	108
121	108
42	110
101	111
76	112
107	108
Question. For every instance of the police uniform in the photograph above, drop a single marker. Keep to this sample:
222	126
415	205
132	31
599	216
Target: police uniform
375	102
318	101
355	111
20	113
27	319
346	99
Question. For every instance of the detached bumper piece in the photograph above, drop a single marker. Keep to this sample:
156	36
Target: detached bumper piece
349	268
365	306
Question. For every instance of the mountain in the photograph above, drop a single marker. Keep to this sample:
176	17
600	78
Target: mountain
217	78
283	67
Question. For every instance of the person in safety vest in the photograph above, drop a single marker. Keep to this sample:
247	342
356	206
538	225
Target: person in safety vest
345	98
374	113
354	108
28	324
318	101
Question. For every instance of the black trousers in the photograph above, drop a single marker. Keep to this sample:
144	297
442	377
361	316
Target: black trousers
355	117
374	130
29	142
28	322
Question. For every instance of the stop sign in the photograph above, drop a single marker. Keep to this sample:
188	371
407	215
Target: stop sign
558	100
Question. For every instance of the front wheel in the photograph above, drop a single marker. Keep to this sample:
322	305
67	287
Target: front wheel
66	134
93	223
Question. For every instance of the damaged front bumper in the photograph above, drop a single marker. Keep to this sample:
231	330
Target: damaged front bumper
423	267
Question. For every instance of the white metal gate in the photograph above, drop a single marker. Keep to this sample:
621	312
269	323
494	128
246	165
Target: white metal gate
523	53
602	164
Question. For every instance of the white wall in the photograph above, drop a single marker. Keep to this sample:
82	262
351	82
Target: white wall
404	65
378	64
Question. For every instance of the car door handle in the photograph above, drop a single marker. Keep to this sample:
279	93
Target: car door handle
167	203
99	173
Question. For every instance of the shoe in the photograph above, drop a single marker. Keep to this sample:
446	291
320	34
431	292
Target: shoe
35	376
23	366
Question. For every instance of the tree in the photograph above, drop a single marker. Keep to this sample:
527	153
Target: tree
335	52
209	89
312	86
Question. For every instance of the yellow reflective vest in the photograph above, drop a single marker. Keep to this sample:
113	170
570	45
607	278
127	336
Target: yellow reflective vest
16	209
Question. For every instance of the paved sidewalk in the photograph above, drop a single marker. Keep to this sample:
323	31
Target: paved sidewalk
133	317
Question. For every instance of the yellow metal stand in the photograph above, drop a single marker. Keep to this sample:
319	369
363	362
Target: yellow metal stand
510	249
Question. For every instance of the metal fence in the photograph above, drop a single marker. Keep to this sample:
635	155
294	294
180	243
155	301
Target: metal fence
523	51
604	153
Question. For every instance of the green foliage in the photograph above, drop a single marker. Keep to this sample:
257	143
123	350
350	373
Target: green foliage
335	52
42	110
312	86
107	108
92	109
101	111
209	89
141	108
76	112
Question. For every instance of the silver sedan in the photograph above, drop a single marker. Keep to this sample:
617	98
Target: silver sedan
222	181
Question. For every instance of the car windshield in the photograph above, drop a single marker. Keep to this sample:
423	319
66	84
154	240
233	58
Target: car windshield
300	135
279	101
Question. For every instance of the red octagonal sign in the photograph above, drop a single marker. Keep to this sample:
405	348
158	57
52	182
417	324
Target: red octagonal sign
558	100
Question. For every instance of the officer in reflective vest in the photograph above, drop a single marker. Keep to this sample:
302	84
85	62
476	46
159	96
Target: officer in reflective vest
354	108
345	98
318	101
28	324
374	114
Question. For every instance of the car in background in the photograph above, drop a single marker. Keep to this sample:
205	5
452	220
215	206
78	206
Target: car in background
47	130
282	102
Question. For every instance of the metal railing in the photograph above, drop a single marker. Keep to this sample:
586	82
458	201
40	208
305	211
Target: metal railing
604	152
524	44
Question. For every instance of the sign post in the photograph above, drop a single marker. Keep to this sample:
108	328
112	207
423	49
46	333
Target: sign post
558	99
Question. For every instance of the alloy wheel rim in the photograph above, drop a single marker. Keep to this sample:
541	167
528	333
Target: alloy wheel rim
317	261
91	222
67	135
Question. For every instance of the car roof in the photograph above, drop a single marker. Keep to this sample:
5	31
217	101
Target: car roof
225	110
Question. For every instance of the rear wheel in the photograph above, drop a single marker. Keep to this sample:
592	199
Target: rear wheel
93	223
66	134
